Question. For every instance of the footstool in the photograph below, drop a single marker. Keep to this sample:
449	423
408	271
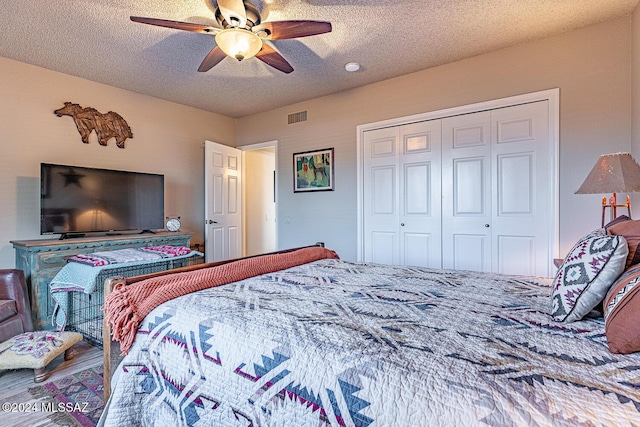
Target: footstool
34	350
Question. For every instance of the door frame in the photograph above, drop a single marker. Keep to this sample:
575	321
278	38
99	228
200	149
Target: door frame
551	95
258	146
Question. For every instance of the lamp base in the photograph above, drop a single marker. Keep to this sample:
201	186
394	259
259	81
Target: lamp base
613	205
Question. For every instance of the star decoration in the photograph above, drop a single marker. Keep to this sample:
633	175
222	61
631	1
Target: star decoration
71	177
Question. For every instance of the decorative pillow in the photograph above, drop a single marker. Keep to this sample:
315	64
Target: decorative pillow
586	275
595	233
621	218
630	230
622	313
598	232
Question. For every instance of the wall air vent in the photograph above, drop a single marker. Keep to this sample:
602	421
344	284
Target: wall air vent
297	117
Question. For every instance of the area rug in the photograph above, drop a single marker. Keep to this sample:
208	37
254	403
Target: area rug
75	400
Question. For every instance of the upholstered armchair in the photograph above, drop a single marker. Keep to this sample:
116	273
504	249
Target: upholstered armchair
15	311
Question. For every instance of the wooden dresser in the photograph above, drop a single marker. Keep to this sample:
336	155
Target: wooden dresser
42	259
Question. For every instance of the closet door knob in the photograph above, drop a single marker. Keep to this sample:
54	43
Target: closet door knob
486	225
402	224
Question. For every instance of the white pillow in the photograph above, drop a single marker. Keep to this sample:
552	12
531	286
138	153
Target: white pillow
586	274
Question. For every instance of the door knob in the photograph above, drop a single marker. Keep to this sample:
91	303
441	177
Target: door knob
486	225
402	224
211	222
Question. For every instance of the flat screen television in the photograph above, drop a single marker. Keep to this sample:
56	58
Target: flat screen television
75	200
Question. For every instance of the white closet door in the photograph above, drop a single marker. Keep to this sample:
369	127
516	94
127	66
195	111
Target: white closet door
521	189
420	194
381	216
402	207
466	192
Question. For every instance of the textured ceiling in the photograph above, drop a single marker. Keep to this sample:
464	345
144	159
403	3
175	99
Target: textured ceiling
95	40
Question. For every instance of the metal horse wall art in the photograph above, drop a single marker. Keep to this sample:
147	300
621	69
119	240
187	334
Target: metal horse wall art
107	126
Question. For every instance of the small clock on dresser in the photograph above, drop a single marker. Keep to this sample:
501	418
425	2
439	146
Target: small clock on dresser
173	223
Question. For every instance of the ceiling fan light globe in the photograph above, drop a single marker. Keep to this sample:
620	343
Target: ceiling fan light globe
238	43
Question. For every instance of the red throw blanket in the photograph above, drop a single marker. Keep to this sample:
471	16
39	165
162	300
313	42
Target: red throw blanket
127	306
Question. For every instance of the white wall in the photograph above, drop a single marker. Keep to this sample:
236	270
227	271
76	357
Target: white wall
167	138
260	209
591	66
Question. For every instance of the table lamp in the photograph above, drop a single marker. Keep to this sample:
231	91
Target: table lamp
613	173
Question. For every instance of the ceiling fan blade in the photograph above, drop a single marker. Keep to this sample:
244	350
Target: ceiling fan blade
270	57
279	30
186	26
234	12
216	55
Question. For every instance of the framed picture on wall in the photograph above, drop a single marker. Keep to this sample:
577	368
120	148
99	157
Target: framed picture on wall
313	171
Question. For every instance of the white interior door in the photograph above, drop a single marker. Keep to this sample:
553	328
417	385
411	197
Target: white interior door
499	187
521	189
420	194
402	195
223	202
381	216
466	192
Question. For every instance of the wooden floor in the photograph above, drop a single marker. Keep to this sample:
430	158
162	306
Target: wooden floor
15	384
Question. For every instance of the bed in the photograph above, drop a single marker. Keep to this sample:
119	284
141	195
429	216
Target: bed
336	343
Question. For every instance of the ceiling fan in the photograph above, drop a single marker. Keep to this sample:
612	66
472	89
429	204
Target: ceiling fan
242	32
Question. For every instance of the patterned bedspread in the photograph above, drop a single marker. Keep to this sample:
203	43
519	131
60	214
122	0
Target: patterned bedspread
333	343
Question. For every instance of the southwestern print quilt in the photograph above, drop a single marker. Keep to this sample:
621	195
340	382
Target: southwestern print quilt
334	343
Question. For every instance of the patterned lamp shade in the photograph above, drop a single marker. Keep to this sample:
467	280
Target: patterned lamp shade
612	173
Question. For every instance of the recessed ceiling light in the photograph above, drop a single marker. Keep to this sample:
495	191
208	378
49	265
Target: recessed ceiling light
352	67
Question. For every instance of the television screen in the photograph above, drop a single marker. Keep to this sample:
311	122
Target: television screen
76	199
